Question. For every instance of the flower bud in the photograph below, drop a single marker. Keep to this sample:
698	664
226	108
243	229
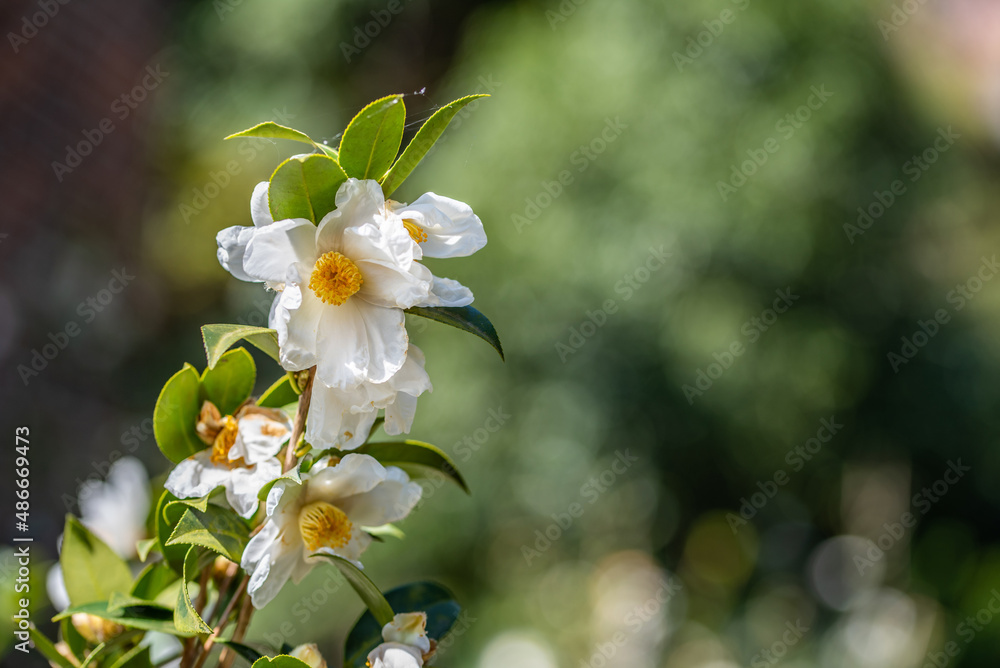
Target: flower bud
95	630
309	653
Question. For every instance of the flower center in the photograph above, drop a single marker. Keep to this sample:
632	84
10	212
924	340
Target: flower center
224	441
417	233
335	278
324	525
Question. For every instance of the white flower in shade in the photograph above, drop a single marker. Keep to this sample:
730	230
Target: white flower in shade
324	514
440	226
342	285
241	458
310	655
406	643
344	418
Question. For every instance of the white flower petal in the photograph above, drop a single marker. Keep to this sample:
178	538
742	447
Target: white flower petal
358	203
296	318
276	247
359	342
395	655
354	474
232	243
196	476
260	212
453	230
390	501
260	437
271	573
359	542
244	484
333	424
447	292
387	284
408	628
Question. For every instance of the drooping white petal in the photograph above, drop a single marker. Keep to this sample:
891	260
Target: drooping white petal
271	573
359	202
333	424
276	247
196	476
390	501
244	484
354	474
395	655
232	243
260	212
387	284
55	587
260	436
359	342
295	317
452	229
409	628
447	292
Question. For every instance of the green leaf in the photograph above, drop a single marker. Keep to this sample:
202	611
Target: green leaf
422	142
47	649
77	643
281	393
186	618
137	657
89	661
144	547
463	317
220	338
218	529
271	130
145	617
152	581
175	415
434	599
91	570
292	474
414	457
305	187
330	151
167	514
364	587
280	661
230	381
372	138
248	653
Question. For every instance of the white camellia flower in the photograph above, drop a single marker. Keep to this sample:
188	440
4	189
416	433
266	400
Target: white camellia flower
241	458
343	284
324	514
440	226
406	643
344	418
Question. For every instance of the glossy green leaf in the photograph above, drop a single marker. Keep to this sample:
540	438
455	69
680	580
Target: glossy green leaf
175	415
144	547
465	318
45	647
77	643
426	136
372	139
220	338
365	588
230	382
330	151
147	617
429	597
281	393
91	570
186	618
152	581
271	130
167	515
414	457
248	653
137	657
280	661
292	475
305	187
217	529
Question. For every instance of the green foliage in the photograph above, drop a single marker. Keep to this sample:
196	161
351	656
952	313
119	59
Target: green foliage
372	138
280	661
230	381
176	414
364	587
186	618
220	338
429	597
465	318
248	653
284	391
272	130
145	617
47	649
137	657
91	570
417	458
152	581
305	187
216	528
168	512
426	136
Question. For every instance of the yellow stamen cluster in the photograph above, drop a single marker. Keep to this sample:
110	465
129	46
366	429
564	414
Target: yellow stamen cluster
224	441
335	278
417	233
324	525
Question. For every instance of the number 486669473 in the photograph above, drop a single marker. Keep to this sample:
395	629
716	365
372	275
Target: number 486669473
21	472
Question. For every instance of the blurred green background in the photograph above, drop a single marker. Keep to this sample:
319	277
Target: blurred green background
679	352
